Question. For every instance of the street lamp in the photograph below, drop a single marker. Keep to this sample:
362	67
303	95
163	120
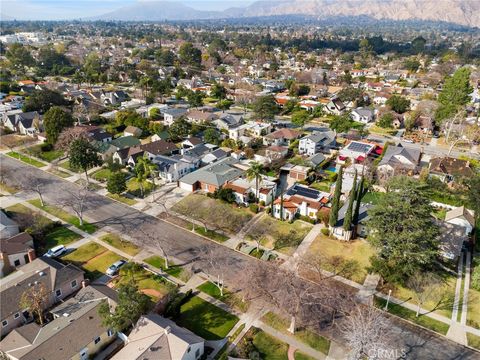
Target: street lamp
388	299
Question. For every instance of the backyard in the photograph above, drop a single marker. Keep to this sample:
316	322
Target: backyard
357	250
205	319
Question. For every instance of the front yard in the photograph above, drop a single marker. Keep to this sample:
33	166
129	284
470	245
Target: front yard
215	213
133	187
264	345
102	174
357	250
228	298
48	155
205	319
173	270
121	244
26	159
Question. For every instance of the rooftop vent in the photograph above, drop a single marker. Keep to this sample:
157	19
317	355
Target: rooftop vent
41	273
65	314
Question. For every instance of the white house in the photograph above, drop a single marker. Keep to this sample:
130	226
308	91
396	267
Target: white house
356	151
319	141
300	200
170	115
463	217
244	190
172	168
362	115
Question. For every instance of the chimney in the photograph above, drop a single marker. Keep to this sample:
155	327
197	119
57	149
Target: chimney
85	283
7	267
31	255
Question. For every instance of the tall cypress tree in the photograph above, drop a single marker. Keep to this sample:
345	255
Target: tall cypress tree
336	199
347	221
359	198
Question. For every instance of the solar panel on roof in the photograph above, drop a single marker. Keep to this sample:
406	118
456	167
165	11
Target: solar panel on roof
359	147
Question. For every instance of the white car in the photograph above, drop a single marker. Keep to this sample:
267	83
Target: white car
113	269
409	141
56	251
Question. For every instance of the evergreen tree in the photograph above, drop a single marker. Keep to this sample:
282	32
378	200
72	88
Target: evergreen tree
336	199
83	155
356	213
347	222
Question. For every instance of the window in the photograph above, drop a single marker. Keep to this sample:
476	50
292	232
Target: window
188	350
109	332
197	353
16	316
97	340
16	263
58	293
74	284
4	323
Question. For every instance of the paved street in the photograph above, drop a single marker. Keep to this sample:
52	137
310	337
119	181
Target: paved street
186	246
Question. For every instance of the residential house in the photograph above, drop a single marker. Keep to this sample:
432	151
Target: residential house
450	169
463	217
172	168
28	123
381	98
299	200
281	137
15	251
8	227
245	189
199	117
298	172
228	121
155	337
212	177
355	151
152	150
452	238
214	156
114	97
123	155
317	142
252	128
398	160
76	331
59	280
191	142
132	131
362	115
335	106
107	149
276	152
424	124
170	115
358	229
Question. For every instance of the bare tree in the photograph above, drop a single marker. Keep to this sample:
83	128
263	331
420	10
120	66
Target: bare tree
365	330
155	241
77	201
35	299
33	183
69	135
213	261
425	287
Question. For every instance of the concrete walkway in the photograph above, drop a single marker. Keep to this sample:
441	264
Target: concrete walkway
468	263
303	247
239	237
458	286
369	288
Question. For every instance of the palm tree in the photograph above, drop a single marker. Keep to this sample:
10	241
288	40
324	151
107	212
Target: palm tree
255	172
143	169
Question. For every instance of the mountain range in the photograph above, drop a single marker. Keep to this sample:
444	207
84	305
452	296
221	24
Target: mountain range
453	11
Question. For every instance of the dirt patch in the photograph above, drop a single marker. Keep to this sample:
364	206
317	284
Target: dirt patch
151	292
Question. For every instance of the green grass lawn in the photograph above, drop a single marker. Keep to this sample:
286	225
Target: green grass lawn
272	229
228	298
91	185
383	131
46	155
407	314
205	319
372	197
122	199
211	234
301	356
266	346
133	187
473	314
321	186
98	266
102	174
173	270
59	173
306	336
121	244
66	165
473	341
60	236
357	250
65	216
85	252
26	159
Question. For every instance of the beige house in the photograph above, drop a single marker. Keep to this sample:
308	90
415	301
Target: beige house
15	251
155	338
59	280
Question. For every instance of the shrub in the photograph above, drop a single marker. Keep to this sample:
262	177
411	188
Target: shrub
307	219
173	307
262	203
325	231
46	147
253	208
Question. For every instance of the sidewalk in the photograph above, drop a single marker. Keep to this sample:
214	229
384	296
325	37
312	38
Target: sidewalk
303	247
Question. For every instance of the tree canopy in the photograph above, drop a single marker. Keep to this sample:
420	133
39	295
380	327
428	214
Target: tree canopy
398	103
265	107
55	120
83	155
42	100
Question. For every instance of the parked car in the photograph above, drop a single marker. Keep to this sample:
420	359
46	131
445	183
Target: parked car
113	269
56	251
409	141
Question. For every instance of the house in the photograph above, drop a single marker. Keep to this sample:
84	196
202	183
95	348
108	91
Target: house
99	134
355	151
349	175
199	117
106	149
463	217
228	121
451	239
191	142
114	97
59	280
252	128
8	227
381	98
276	152
76	331
424	124
299	200
214	156
170	115
318	141
281	137
398	160
449	169
359	229
335	106
212	177
123	155
155	337
172	168
28	123
244	190
15	251
151	150
298	172
132	131
362	115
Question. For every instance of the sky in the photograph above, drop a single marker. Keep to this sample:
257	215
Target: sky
74	9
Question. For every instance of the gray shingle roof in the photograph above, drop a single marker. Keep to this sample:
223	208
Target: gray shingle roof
215	174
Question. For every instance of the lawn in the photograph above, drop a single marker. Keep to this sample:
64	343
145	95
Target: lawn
211	234
133	187
65	216
301	356
90	185
102	174
407	314
26	159
121	244
205	319
321	186
372	197
306	336
59	173
228	298
279	235
66	165
6	188
267	347
45	155
122	199
357	250
19	210
473	341
383	131
173	270
93	258
60	236
473	314
201	207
